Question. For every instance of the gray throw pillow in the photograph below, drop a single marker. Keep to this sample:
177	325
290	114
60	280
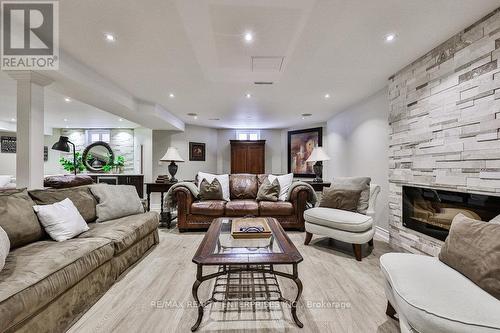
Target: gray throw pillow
472	248
115	201
269	191
340	199
4	247
355	184
210	191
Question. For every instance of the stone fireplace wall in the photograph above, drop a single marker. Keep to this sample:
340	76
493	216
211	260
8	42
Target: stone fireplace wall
444	123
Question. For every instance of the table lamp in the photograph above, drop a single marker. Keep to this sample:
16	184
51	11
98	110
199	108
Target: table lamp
172	156
318	155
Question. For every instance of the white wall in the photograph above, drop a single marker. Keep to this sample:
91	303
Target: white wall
357	141
188	169
273	150
52	166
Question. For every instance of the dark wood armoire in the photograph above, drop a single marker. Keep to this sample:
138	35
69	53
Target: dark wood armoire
248	156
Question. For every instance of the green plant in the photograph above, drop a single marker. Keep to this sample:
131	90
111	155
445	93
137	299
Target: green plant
69	165
119	161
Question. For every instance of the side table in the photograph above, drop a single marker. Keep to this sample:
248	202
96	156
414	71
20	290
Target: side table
161	188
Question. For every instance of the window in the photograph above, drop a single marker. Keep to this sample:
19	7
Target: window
248	135
98	135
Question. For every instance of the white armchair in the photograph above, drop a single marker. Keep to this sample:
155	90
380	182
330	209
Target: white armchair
346	226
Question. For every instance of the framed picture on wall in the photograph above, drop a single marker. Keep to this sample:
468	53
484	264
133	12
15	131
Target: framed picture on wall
8	144
196	151
300	146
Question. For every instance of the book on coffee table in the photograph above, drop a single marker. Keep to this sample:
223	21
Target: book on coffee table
250	227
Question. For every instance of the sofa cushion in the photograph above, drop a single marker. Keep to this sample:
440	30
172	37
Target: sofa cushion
473	249
357	184
338	219
126	231
435	298
18	218
4	247
242	208
269	191
116	201
66	181
243	186
208	207
37	273
210	191
278	208
81	197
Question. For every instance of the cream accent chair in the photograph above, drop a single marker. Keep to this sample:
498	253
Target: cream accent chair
431	297
345	226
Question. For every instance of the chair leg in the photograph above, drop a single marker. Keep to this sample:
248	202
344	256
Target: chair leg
309	236
390	311
370	242
357	251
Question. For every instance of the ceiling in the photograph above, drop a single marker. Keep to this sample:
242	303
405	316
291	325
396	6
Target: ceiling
57	110
307	48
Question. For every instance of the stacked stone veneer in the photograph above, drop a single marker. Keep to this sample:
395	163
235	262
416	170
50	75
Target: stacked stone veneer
121	142
444	123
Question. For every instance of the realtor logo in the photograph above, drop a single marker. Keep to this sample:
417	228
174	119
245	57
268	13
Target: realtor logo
30	35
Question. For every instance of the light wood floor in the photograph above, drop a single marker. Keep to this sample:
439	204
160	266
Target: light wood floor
340	294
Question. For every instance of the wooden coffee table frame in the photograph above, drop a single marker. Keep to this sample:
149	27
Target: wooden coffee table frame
237	262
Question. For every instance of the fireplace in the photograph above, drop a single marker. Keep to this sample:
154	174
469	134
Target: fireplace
431	211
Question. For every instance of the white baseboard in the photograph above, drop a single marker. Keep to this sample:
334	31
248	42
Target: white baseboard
382	234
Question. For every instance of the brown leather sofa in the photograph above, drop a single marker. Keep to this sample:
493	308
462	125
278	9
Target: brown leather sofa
196	214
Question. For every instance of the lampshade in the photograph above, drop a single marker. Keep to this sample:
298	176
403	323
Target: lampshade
172	155
62	144
318	154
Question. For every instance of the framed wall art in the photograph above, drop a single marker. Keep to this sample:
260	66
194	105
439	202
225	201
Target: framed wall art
300	146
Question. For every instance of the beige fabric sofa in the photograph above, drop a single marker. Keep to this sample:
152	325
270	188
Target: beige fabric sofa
45	285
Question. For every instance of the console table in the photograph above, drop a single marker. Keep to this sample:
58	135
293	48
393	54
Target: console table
161	188
120	179
318	186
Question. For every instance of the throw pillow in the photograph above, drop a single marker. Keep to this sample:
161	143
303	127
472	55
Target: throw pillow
81	197
210	191
61	220
4	247
496	219
223	180
355	184
340	199
116	201
4	181
18	219
472	248
285	182
269	191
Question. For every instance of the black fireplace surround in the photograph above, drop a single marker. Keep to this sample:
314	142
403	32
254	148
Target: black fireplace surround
431	211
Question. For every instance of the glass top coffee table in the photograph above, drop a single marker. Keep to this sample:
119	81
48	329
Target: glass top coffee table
250	260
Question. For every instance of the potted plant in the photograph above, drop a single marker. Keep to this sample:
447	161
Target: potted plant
119	164
70	166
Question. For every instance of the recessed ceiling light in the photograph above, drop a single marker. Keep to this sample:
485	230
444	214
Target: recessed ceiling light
248	37
171	95
67	99
390	37
327	96
248	95
110	37
120	119
67	126
13	119
65	120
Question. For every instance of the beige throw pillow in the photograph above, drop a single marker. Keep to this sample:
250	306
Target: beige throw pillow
210	191
269	191
116	201
473	249
355	184
4	247
340	199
